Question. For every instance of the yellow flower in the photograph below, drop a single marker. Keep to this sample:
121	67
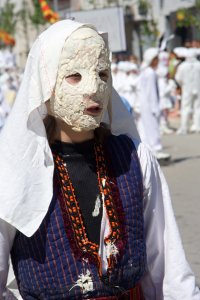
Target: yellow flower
180	15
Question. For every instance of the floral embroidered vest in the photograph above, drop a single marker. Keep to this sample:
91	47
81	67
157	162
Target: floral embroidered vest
51	265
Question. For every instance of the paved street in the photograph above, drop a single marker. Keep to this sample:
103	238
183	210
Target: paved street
183	177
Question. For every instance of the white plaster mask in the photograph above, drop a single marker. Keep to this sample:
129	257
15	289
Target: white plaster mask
83	85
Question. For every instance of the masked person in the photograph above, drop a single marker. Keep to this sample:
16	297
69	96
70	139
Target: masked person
85	214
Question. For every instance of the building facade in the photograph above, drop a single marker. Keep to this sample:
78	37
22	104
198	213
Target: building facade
161	12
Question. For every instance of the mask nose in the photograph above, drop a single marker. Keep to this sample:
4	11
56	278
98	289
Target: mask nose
93	86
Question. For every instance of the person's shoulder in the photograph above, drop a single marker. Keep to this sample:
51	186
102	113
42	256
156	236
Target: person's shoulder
143	151
130	148
149	73
120	139
147	159
182	66
137	143
121	146
150	70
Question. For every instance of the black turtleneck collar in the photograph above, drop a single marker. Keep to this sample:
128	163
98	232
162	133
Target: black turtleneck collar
64	148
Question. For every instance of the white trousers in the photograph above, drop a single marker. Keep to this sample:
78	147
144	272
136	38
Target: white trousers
190	104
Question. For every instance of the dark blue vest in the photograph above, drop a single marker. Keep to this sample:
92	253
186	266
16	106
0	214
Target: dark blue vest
45	265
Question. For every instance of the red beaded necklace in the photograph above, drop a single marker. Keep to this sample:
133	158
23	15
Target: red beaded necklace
72	215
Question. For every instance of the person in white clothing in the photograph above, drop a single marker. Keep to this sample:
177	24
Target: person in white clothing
164	92
121	83
115	75
187	76
130	85
85	211
120	77
4	109
149	121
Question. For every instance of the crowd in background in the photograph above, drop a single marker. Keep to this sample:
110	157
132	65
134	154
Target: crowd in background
10	78
165	83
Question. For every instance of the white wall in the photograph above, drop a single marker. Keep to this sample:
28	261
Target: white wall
173	5
169	6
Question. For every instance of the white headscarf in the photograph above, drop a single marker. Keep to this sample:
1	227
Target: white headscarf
26	172
181	52
148	57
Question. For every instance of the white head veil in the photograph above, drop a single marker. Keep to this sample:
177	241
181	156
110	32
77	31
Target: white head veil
149	55
181	52
26	163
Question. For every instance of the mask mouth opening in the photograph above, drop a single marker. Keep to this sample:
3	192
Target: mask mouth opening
93	110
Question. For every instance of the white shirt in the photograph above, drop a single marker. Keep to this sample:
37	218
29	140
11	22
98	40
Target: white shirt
187	76
168	276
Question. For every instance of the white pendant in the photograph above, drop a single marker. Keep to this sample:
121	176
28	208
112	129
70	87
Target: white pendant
97	207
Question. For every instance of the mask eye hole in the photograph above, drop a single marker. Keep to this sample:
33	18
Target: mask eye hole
73	79
104	75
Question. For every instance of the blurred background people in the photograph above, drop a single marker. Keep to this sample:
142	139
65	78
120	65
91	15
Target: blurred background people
149	121
4	109
10	79
187	76
165	90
